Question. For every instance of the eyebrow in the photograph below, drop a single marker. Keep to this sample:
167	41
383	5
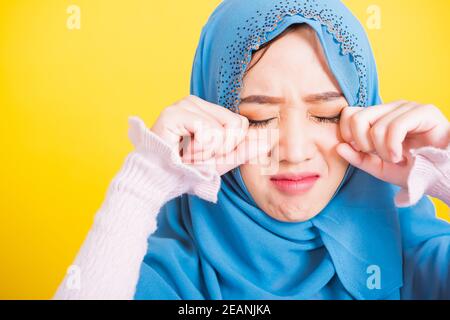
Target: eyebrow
323	97
312	98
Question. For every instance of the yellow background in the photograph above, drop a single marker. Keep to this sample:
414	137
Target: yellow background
65	96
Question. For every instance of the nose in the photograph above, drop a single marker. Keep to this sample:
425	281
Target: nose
296	143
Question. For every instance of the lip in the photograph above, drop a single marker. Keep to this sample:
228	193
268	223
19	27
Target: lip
294	184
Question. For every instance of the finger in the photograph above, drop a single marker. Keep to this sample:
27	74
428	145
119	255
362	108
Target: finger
212	136
355	123
234	124
345	121
198	156
195	108
235	133
418	119
373	164
359	125
207	135
220	113
242	133
382	130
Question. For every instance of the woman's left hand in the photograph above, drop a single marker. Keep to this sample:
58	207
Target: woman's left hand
377	139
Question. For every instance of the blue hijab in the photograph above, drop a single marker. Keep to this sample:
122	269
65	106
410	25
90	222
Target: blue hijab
233	250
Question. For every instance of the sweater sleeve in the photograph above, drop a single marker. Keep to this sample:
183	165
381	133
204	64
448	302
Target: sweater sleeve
430	174
107	264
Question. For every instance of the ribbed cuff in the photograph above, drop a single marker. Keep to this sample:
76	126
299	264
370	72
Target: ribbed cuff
201	180
146	181
430	174
441	190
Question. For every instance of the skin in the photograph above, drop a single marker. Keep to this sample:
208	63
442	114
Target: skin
305	143
299	91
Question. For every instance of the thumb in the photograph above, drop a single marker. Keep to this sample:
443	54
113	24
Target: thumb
349	154
368	162
374	165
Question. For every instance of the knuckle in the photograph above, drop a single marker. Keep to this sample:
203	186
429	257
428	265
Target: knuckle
377	131
236	122
391	132
193	98
245	122
391	127
407	106
168	111
349	113
345	112
215	132
232	121
187	100
357	120
178	104
189	105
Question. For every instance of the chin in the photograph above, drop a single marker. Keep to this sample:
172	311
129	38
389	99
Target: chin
291	212
299	217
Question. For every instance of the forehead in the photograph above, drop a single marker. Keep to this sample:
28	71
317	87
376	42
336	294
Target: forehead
296	47
296	58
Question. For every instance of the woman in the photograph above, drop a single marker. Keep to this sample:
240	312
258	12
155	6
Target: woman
339	212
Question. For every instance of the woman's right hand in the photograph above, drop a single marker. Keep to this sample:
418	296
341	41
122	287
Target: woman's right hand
206	133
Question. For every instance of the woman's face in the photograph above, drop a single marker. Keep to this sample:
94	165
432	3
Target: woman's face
293	84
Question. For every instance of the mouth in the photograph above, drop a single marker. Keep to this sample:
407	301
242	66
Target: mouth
295	184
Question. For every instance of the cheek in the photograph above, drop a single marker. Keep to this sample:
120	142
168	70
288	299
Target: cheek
328	138
253	179
336	164
250	174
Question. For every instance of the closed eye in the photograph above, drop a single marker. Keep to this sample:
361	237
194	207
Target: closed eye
263	123
260	123
329	120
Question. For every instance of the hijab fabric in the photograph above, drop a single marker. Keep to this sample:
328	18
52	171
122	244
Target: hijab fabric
232	249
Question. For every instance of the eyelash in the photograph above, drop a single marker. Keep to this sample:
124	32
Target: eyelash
263	123
259	123
329	120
